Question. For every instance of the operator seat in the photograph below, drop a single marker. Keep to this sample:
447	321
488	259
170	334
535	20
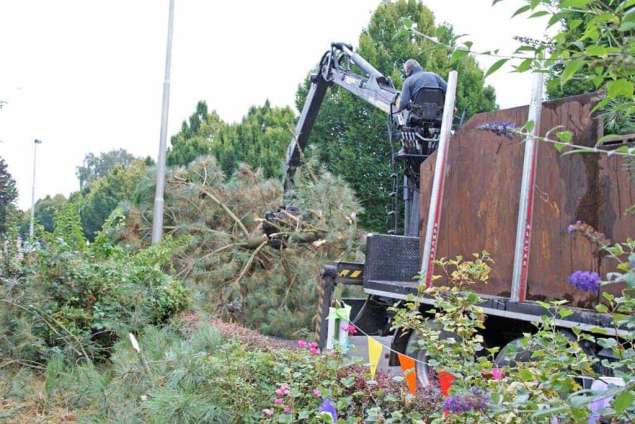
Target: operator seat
427	108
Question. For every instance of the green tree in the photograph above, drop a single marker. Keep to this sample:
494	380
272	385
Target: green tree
47	208
196	136
350	135
68	227
260	139
104	194
98	166
8	194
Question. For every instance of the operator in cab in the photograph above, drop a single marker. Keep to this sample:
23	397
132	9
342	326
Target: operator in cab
416	79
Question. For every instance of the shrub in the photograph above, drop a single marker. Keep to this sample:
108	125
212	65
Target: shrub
78	303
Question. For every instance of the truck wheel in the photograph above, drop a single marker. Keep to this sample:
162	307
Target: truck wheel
512	353
421	368
425	374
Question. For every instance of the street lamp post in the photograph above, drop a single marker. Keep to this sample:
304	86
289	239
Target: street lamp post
157	214
35	143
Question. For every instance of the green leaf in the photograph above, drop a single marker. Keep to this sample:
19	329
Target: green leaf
574	23
619	88
521	10
565	312
565	136
458	54
596	50
574	3
623	401
495	67
525	375
626	5
544	304
570	70
524	65
555	18
626	26
601	308
538	14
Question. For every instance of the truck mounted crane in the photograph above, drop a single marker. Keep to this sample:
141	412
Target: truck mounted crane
416	127
392	261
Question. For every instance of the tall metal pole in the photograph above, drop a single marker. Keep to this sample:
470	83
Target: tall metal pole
438	183
526	204
157	215
32	223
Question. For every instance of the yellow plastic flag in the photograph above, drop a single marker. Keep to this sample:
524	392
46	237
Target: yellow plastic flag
374	353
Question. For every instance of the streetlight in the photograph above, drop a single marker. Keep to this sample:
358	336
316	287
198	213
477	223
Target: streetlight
35	143
157	213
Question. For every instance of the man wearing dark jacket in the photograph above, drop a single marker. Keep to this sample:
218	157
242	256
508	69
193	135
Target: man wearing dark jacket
416	79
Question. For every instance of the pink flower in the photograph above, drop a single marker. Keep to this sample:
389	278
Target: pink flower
302	344
349	328
314	350
284	386
267	412
280	392
287	409
497	374
313	345
316	393
278	401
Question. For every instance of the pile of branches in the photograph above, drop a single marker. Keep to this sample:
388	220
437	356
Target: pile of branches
236	271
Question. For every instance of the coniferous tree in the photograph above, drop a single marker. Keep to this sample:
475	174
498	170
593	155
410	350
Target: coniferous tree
8	195
196	136
260	140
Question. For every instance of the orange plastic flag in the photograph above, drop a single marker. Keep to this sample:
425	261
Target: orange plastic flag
374	353
407	365
445	382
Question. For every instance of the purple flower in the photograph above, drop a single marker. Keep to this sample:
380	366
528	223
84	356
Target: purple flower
587	281
328	408
475	400
503	128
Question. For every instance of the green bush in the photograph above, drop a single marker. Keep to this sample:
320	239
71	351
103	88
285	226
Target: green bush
78	303
193	375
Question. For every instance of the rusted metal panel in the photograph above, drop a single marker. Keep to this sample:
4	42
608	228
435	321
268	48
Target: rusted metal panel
482	194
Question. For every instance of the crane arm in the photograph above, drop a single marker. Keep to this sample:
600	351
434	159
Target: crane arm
335	68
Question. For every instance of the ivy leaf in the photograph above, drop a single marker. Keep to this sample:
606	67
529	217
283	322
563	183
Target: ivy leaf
619	88
623	401
570	70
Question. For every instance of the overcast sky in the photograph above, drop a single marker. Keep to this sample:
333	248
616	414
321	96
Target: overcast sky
86	75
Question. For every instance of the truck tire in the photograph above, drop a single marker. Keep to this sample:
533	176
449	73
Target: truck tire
425	374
